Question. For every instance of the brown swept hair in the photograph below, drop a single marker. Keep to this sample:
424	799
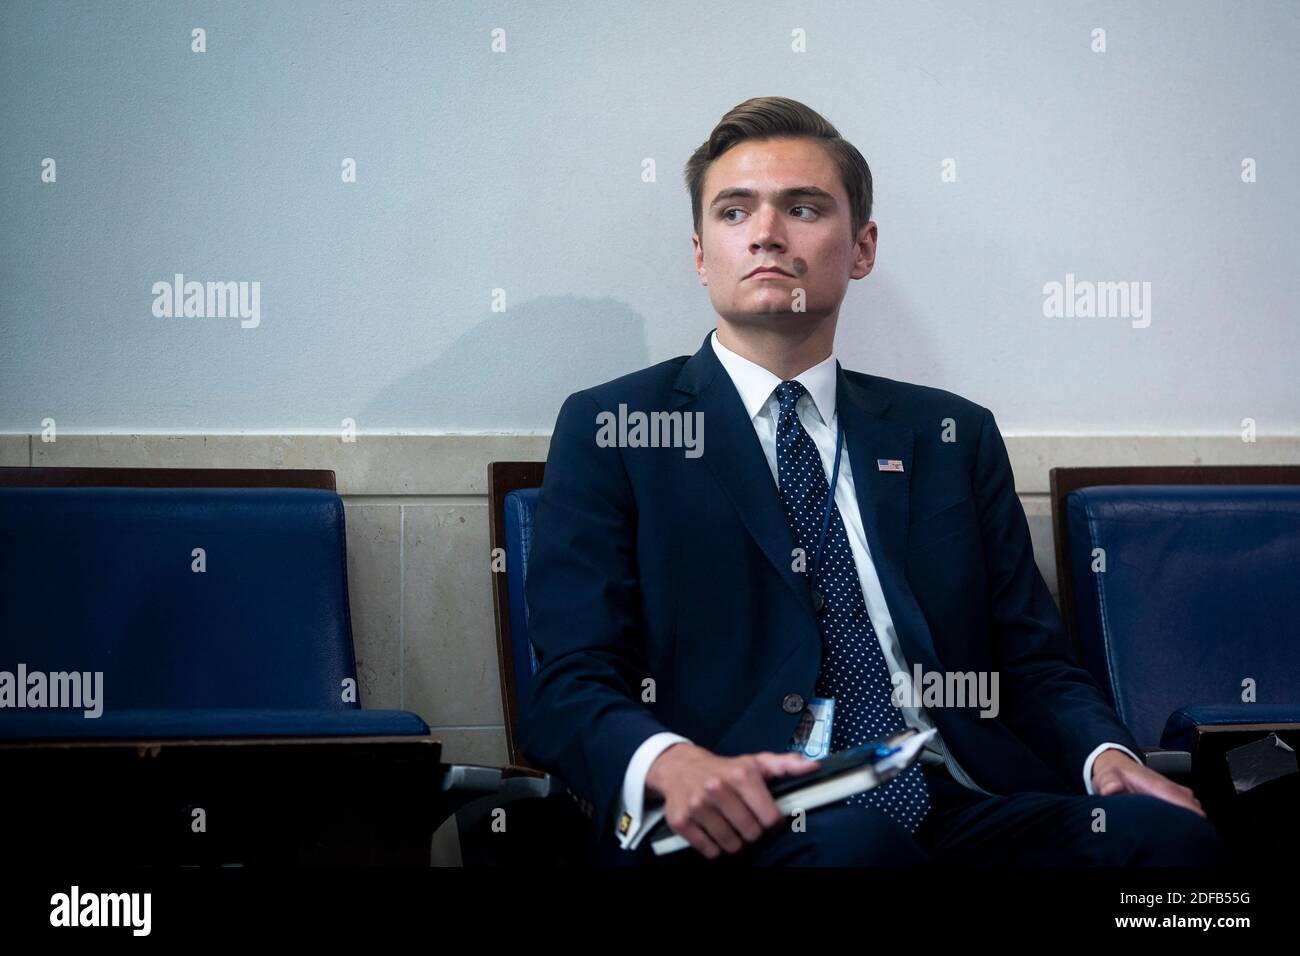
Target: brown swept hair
768	117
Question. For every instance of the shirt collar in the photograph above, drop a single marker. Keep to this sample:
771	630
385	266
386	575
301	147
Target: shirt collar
755	383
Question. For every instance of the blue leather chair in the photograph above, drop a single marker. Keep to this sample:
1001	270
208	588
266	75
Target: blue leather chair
1199	594
512	494
257	643
520	509
248	639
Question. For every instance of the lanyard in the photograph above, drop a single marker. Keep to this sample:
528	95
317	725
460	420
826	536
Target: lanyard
818	598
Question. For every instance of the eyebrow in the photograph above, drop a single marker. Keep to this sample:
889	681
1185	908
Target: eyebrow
794	192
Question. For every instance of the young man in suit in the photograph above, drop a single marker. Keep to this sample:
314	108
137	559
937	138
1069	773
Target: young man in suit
689	613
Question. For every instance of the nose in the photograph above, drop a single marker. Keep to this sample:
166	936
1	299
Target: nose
769	233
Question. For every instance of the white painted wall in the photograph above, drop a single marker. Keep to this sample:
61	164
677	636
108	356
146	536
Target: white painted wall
521	170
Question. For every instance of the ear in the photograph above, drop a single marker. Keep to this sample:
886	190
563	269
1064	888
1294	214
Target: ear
864	251
700	269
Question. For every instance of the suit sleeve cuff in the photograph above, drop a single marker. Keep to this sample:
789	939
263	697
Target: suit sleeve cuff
633	819
1092	757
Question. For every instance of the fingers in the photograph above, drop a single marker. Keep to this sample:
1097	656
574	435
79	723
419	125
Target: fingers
780	765
1184	797
734	796
733	806
716	820
707	829
719	831
1157	786
771	765
1175	793
1187	803
1109	784
697	837
753	790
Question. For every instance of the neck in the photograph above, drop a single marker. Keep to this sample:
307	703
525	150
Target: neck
784	352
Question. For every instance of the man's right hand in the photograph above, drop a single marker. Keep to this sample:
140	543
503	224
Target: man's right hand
719	803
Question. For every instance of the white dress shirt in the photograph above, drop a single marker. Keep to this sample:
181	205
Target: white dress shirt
816	411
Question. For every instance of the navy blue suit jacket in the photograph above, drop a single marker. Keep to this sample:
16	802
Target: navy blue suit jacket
647	563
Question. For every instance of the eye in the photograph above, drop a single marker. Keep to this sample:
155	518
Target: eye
726	213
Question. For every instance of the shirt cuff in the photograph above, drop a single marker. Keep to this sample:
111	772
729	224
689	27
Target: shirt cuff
633	818
1087	764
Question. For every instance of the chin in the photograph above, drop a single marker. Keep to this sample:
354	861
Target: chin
773	318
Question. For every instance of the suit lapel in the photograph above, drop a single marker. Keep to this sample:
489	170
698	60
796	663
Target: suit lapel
883	496
735	457
884	501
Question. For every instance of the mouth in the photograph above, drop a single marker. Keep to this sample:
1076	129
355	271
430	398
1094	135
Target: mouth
768	272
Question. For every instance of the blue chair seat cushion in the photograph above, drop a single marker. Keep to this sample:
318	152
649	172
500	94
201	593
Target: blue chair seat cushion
1180	730
207	723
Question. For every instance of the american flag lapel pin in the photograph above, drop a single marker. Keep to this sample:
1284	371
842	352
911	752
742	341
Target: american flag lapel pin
889	464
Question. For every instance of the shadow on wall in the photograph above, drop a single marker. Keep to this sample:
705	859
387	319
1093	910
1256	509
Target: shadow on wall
514	370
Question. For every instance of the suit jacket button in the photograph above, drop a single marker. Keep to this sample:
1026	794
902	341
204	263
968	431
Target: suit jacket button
792	704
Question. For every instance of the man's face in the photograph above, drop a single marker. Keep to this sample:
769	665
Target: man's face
767	223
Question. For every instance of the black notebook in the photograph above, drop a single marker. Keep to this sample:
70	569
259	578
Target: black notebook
840	775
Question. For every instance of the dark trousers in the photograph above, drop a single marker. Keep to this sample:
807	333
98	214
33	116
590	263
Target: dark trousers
967	828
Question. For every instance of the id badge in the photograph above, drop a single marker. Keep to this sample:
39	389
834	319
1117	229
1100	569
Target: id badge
812	735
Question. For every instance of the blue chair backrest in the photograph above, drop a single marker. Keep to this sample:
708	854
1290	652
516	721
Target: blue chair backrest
1201	590
520	510
103	579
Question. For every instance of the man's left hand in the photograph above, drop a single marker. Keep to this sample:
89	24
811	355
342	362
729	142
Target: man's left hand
1116	772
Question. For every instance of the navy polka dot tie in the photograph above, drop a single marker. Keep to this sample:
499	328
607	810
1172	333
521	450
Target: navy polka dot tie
853	668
